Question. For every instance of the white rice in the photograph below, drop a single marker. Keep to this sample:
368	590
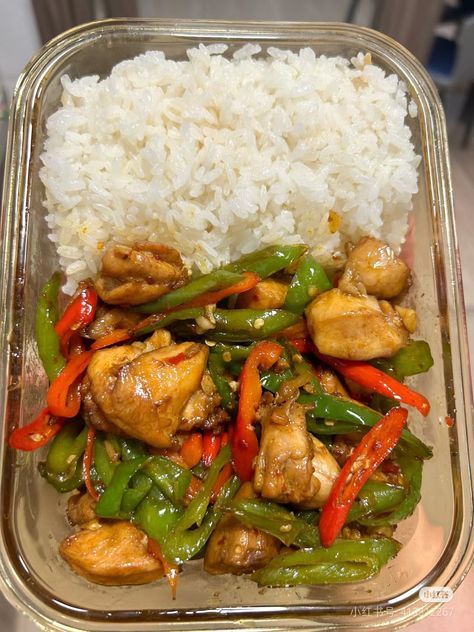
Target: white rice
219	157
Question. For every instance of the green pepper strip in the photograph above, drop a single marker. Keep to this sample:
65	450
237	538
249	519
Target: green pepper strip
376	498
412	471
355	417
131	449
345	561
196	509
357	420
410	360
46	338
156	515
140	485
62	483
170	478
267	261
217	366
272	381
110	501
66	448
309	281
233	325
216	280
105	468
180	546
275	520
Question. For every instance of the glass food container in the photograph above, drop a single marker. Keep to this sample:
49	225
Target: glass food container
437	539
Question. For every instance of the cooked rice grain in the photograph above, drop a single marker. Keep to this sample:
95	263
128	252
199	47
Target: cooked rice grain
219	157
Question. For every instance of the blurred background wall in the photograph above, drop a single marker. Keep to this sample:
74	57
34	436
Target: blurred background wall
438	32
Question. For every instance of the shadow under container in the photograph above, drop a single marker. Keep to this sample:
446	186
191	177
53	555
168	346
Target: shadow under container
437	539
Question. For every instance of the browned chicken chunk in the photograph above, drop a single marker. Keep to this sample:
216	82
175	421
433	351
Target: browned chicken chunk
235	548
81	509
144	392
267	294
111	554
374	265
283	469
292	465
355	327
107	319
136	275
330	382
203	409
325	471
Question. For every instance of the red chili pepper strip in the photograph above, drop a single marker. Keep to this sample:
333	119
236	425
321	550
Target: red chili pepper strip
377	381
224	439
171	570
87	462
244	441
249	281
37	433
375	446
116	336
191	450
222	478
78	313
211	444
63	398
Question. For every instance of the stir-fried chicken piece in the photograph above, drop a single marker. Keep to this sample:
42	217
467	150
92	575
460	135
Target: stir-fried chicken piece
325	471
203	408
235	548
408	317
292	465
107	319
139	274
374	265
283	469
355	327
81	509
111	554
267	294
330	382
141	391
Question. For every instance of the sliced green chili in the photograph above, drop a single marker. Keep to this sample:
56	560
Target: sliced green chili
308	281
216	280
275	520
66	448
268	261
111	500
229	325
344	561
61	482
140	486
46	338
216	366
179	546
170	478
104	466
412	472
328	411
156	515
196	509
376	498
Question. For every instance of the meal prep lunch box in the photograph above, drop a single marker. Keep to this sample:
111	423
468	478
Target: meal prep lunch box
438	543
